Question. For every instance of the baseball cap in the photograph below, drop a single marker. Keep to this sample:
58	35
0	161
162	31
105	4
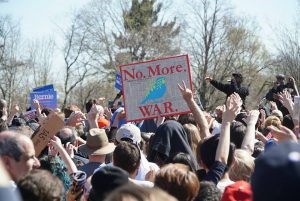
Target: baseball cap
129	131
240	190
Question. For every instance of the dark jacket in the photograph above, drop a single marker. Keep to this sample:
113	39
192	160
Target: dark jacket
277	90
229	89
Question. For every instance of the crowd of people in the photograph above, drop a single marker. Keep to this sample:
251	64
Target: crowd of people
231	153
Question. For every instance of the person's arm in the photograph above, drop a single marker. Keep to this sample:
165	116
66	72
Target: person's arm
261	137
248	141
292	81
92	117
199	116
282	133
226	88
56	143
233	107
15	109
37	107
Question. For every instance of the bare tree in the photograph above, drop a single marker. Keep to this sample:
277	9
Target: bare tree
77	60
40	61
12	65
288	57
220	44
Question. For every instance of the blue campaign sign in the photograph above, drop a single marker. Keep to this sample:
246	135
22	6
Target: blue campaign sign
118	83
47	99
48	87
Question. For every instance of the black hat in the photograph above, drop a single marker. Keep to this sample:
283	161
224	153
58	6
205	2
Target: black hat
237	75
108	178
276	174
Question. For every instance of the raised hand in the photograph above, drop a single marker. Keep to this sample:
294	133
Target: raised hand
186	93
75	119
208	78
252	117
36	104
282	133
233	107
286	99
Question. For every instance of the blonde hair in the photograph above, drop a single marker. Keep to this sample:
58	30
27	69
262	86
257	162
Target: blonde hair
193	136
242	167
272	120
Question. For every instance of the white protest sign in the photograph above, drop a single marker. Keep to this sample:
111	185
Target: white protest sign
150	88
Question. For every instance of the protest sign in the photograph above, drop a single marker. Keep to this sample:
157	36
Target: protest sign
29	115
150	88
48	87
118	83
48	128
47	99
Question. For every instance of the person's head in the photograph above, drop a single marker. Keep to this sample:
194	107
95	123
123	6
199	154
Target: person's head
97	144
57	167
208	192
89	104
46	111
206	152
129	132
67	134
271	121
105	180
69	109
187	119
193	135
134	192
40	185
276	173
259	148
237	133
280	78
25	130
238	77
277	113
183	158
242	166
127	156
178	180
17	153
174	139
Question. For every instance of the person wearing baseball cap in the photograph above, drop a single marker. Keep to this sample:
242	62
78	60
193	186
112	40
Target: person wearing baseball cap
131	133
